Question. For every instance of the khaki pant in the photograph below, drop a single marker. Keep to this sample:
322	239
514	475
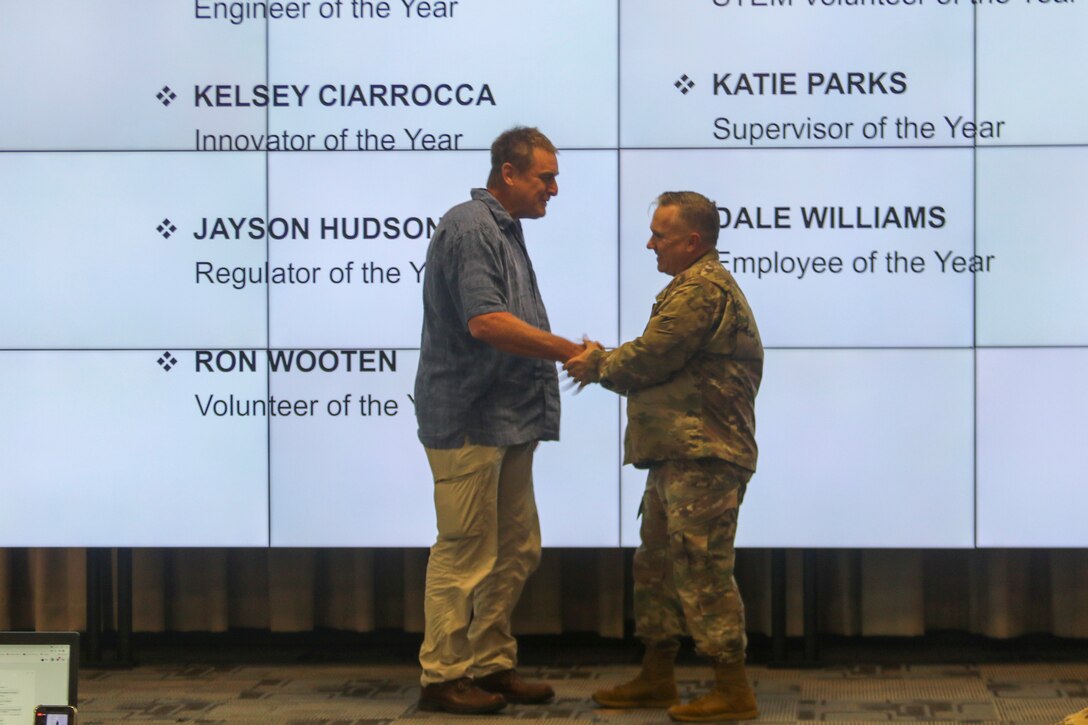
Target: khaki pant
683	566
488	544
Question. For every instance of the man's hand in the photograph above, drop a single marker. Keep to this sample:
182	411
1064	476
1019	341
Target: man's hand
583	367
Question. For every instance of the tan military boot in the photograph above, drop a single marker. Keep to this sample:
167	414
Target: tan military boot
654	686
730	699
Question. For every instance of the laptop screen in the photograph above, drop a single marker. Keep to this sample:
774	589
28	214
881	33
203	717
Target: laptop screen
36	668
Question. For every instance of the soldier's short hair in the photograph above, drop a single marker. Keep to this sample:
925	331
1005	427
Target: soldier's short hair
516	146
697	211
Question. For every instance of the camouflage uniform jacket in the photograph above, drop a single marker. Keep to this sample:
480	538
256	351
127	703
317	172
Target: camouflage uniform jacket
691	378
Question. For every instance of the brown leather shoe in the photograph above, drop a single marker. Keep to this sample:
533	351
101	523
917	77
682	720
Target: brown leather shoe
514	689
459	696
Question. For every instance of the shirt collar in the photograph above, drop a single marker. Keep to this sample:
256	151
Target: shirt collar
710	256
502	217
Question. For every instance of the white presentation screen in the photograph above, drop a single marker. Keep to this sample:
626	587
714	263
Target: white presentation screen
216	216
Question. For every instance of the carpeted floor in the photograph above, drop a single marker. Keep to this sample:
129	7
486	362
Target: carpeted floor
339	693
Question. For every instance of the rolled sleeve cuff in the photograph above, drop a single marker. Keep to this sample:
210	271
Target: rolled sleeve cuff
596	357
484	309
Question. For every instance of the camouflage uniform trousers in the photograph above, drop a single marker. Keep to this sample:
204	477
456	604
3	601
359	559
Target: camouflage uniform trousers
684	566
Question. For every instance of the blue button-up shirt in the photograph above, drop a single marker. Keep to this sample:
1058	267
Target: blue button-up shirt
466	389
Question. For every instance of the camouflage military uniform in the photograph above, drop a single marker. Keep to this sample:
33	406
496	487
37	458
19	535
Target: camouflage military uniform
691	379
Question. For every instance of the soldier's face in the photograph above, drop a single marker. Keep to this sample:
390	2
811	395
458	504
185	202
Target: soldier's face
672	241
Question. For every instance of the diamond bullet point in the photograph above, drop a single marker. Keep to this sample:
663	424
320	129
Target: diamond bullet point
166	96
167	361
166	229
685	84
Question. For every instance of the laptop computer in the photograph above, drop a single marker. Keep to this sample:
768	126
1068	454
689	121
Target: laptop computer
36	668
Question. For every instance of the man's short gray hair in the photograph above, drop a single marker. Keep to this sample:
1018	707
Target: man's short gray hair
698	212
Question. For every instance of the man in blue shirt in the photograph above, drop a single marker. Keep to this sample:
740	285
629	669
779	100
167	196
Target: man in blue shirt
486	391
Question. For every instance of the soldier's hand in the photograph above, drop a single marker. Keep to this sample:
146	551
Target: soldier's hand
583	367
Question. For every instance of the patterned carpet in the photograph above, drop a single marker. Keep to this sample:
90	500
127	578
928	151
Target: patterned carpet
336	693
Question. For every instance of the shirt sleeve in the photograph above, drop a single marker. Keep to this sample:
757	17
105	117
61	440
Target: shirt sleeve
479	280
677	330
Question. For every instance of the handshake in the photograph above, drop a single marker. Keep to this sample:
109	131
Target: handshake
583	367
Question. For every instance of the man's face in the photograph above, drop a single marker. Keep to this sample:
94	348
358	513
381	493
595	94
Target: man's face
672	241
528	191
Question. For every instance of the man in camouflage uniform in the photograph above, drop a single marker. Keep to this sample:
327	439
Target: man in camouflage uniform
691	380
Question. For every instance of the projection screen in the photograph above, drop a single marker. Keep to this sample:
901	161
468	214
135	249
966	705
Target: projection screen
216	216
